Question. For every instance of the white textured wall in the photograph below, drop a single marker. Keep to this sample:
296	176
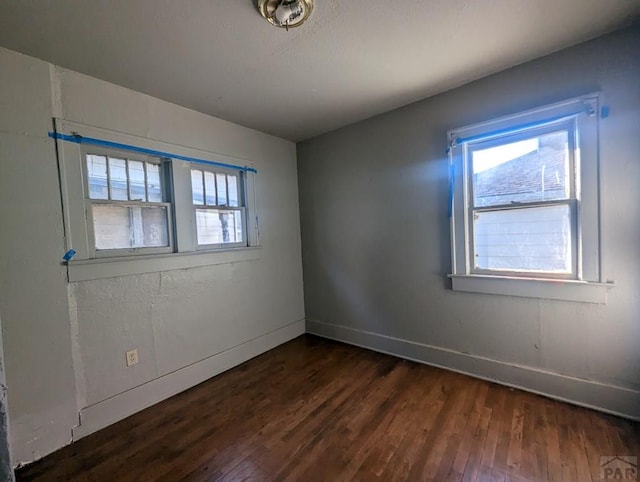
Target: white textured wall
65	343
376	243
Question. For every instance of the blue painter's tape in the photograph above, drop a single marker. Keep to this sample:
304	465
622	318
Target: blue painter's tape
69	254
604	112
77	139
514	129
452	186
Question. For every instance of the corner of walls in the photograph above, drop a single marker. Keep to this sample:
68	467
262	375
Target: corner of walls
6	465
608	398
55	73
377	250
111	410
64	341
33	300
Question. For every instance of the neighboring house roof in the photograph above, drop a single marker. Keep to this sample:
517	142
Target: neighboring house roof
537	175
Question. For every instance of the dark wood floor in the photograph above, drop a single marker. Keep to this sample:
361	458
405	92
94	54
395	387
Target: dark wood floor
313	409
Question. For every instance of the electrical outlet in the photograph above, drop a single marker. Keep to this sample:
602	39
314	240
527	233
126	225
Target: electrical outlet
132	357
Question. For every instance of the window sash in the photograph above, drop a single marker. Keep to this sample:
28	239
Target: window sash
108	153
217	173
212	246
570	126
127	157
107	253
240	187
574	243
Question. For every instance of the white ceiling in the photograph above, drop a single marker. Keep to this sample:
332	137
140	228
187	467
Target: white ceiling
352	59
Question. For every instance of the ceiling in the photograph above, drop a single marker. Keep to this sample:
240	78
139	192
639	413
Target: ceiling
351	60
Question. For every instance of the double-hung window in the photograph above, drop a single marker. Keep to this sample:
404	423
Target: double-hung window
135	205
218	201
524	201
125	203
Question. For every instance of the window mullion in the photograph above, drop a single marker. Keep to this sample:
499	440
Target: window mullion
183	207
108	177
204	188
226	185
128	180
146	181
215	183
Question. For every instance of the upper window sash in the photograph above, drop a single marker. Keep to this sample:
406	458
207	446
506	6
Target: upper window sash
217	187
132	162
572	160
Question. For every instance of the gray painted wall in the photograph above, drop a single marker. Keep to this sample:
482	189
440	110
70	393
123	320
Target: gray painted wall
6	466
64	343
376	245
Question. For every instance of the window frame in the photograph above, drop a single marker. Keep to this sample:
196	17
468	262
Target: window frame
94	252
221	207
587	284
86	264
572	201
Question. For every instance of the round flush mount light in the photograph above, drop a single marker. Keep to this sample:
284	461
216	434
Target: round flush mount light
285	13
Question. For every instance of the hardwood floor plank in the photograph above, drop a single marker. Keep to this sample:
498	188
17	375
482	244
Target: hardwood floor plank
493	434
474	458
552	442
317	410
471	432
527	459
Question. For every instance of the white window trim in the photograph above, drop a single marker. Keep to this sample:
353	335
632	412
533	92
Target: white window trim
242	185
89	203
79	233
589	285
99	268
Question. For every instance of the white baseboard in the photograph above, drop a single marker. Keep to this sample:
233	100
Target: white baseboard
120	406
612	399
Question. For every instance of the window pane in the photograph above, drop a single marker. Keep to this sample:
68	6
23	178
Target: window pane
154	187
136	181
535	169
233	190
221	183
196	187
97	177
526	239
155	229
210	188
218	226
118	179
111	226
122	227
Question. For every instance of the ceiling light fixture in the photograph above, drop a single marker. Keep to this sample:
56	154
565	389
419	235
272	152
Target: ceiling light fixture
285	13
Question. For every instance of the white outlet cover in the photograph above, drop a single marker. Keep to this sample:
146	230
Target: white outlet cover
132	357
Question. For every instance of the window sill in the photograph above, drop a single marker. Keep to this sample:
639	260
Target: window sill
552	289
90	269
